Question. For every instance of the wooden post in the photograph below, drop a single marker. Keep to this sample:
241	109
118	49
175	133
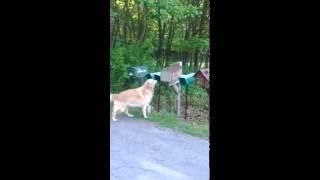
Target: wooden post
178	101
177	89
159	97
186	105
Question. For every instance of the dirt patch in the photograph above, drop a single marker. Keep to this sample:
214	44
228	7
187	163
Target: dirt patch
195	114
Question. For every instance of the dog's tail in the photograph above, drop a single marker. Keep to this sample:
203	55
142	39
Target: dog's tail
112	96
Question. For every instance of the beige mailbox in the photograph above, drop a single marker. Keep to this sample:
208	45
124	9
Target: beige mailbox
172	73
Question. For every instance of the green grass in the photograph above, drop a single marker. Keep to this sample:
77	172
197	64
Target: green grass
170	120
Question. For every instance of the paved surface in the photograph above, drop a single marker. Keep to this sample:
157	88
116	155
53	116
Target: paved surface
140	150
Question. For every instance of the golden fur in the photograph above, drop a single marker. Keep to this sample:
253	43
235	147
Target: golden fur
139	97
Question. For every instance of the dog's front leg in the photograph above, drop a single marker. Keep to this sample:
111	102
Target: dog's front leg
144	111
149	108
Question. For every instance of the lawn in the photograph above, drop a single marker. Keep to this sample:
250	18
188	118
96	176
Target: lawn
170	120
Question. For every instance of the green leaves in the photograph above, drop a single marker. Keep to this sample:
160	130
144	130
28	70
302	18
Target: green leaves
129	55
190	45
113	13
192	11
135	32
118	64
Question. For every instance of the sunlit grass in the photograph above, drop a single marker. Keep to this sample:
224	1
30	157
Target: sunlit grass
170	120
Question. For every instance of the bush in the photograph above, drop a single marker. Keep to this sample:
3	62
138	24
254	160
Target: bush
123	57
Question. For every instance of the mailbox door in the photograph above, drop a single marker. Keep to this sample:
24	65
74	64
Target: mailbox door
165	76
207	85
171	73
200	82
141	71
131	71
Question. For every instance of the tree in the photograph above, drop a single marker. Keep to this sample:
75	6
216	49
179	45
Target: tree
158	32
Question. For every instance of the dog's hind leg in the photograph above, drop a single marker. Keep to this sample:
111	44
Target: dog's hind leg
144	111
128	114
114	112
118	107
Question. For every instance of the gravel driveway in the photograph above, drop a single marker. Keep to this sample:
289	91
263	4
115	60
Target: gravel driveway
140	150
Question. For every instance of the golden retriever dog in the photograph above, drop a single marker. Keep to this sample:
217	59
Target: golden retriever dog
139	97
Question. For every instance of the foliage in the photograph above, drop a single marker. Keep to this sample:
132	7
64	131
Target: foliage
130	55
156	33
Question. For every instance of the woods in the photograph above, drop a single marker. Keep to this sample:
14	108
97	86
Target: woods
157	33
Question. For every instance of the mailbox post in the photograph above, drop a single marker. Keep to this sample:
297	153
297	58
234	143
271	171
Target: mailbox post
186	80
169	75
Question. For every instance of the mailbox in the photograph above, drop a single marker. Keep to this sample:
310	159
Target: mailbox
171	74
138	71
187	80
155	76
202	78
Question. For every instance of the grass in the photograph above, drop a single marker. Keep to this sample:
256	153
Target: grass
170	120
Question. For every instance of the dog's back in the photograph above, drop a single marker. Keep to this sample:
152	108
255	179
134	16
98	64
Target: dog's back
134	97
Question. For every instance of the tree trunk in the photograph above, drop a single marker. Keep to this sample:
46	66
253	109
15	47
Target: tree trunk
186	38
111	31
161	34
201	60
207	59
193	61
203	16
170	39
118	33
144	25
125	24
139	22
195	65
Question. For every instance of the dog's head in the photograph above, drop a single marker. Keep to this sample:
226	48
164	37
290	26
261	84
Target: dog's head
150	83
